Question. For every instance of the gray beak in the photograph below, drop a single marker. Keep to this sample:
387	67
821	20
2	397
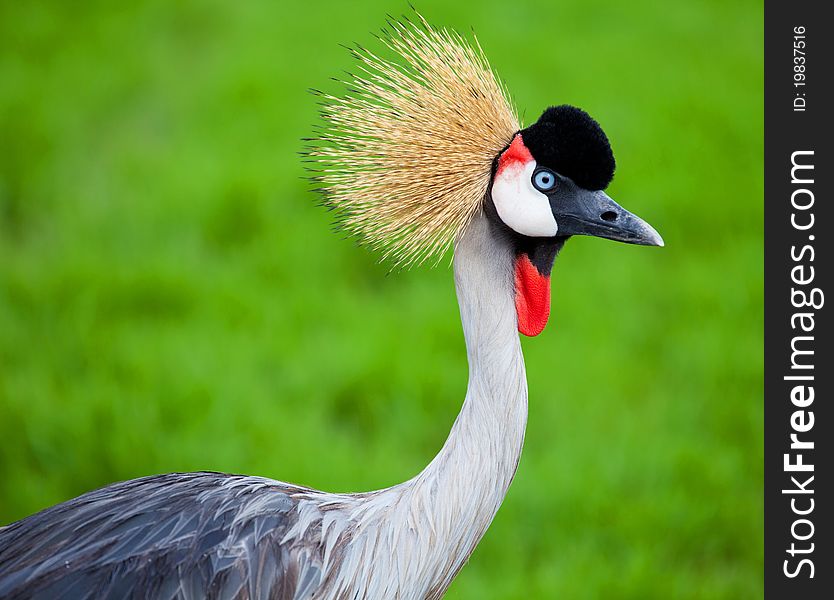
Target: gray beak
582	212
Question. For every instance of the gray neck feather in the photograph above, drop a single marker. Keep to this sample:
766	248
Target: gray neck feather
467	481
410	540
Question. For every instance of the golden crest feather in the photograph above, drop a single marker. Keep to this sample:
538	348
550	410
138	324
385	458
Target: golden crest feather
404	157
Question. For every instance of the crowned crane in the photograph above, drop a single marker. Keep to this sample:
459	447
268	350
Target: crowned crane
423	152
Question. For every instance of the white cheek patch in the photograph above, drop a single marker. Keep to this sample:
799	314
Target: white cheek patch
523	208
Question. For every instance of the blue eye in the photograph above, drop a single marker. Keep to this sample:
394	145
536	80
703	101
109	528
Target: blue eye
544	180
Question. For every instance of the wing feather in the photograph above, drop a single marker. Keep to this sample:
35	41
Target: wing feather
183	535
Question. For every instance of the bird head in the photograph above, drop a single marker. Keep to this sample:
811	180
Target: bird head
422	144
548	185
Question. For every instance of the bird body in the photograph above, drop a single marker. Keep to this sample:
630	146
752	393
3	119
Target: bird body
508	202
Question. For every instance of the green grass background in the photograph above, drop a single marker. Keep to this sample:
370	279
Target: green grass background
172	299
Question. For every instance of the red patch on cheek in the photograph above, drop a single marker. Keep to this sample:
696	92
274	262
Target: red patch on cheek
532	297
516	154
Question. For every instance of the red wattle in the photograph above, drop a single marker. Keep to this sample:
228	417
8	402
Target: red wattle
532	297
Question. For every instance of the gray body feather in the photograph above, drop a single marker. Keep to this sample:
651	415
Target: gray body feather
183	535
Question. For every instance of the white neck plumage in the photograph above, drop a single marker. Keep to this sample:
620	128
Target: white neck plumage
410	540
467	481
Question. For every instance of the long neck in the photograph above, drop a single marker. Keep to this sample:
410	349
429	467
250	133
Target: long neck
467	481
410	540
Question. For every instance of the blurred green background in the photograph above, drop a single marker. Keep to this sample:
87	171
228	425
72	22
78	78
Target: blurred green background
171	298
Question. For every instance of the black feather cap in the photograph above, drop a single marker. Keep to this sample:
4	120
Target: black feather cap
569	141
